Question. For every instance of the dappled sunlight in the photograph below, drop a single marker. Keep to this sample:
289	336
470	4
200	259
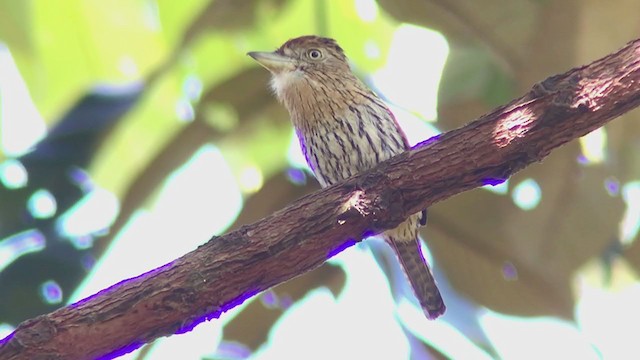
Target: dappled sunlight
536	338
501	189
11	248
94	212
411	75
250	179
196	188
42	204
513	126
191	92
201	341
527	194
5	330
184	110
443	336
630	224
372	50
128	67
295	155
359	324
22	125
367	10
608	318
51	292
594	146
612	186
414	127
13	174
509	271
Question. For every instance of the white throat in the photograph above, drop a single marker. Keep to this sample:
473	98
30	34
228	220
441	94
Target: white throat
285	81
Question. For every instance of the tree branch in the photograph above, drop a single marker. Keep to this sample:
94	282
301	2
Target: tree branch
229	269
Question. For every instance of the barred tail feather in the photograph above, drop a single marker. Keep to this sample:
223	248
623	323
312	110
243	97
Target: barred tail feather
419	275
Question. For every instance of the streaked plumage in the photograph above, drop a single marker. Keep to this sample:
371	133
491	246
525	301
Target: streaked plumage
345	129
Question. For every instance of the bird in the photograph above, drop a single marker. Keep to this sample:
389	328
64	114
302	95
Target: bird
345	129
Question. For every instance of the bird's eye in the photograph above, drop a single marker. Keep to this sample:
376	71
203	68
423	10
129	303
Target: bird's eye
314	54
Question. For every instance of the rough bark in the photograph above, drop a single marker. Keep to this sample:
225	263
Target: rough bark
229	269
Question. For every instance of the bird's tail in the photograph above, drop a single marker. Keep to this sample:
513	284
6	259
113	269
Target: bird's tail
417	270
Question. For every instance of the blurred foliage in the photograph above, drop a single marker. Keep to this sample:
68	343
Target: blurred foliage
131	90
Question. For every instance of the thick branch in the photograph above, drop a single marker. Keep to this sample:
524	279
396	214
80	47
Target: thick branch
229	269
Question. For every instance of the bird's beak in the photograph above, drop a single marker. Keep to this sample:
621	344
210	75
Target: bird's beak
272	61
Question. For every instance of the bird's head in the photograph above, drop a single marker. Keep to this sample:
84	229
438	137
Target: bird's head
304	65
305	54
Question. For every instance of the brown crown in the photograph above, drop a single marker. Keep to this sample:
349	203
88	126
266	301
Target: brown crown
312	41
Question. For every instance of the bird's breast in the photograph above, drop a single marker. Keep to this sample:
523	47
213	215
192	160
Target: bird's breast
348	140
